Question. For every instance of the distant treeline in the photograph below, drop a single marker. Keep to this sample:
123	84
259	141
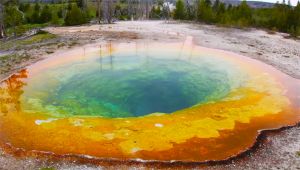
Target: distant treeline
282	17
16	17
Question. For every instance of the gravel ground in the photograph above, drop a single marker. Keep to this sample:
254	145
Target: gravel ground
277	151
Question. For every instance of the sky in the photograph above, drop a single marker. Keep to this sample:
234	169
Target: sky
293	2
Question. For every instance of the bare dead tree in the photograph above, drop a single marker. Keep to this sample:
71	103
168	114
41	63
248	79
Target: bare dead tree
1	22
139	10
147	9
108	10
130	8
144	7
64	8
149	5
99	10
111	9
166	10
85	4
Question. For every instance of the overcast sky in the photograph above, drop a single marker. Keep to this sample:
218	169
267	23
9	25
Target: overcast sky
294	2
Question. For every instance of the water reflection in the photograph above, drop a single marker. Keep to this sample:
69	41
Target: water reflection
100	56
111	57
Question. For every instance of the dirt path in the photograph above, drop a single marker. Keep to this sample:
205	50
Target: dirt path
279	151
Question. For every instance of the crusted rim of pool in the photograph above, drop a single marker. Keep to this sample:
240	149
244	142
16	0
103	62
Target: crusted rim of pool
107	162
172	162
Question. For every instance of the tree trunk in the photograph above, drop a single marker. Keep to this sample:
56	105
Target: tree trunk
108	11
15	30
85	4
99	10
2	31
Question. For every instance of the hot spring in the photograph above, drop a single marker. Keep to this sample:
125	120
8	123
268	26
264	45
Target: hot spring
149	101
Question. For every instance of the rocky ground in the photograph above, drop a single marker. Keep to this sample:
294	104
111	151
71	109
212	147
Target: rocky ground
278	151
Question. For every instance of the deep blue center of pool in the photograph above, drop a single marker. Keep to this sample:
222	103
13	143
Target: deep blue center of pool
131	87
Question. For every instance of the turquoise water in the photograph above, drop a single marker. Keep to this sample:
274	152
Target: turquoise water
130	84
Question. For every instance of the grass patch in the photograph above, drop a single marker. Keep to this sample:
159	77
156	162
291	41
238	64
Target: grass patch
47	168
298	153
20	30
38	38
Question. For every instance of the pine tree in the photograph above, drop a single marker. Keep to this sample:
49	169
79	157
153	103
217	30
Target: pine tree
45	15
60	13
190	13
208	2
55	19
204	11
297	16
35	17
13	17
37	7
216	5
22	7
243	14
289	3
279	17
155	12
75	16
220	12
180	12
81	4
